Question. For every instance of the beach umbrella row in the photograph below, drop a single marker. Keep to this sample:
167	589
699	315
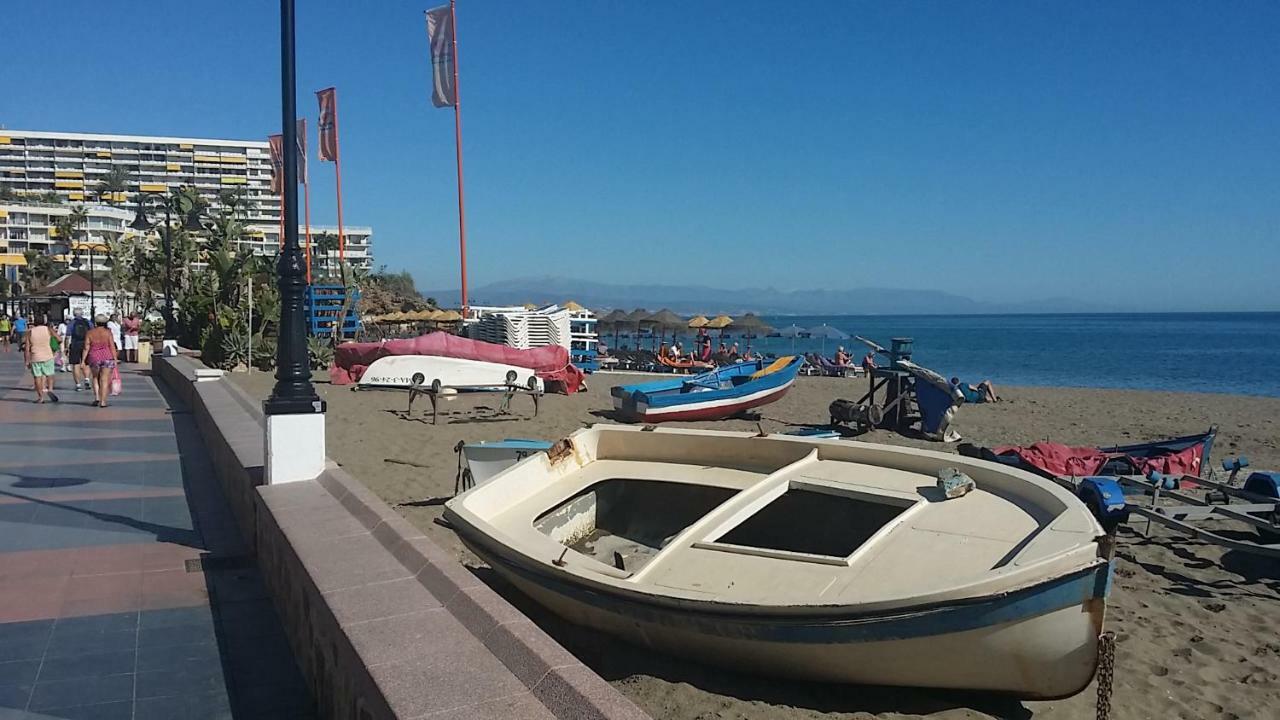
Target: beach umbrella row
418	316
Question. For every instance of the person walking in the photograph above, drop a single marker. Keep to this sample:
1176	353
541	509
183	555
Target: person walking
101	353
132	329
38	350
6	329
77	330
19	329
117	334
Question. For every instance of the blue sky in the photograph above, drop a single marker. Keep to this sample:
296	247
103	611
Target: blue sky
1126	152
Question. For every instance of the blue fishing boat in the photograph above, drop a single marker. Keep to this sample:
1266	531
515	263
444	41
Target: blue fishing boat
713	395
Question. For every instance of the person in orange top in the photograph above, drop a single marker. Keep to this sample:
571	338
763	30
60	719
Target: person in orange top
38	350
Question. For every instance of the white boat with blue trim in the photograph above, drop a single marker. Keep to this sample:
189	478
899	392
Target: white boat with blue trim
817	559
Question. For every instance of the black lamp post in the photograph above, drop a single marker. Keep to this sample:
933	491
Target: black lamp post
75	262
142	224
293	393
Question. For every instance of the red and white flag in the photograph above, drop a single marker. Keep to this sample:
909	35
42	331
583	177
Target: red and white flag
328	132
277	163
302	150
444	91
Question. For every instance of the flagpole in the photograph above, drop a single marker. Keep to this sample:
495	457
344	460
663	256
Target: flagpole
457	141
306	204
337	176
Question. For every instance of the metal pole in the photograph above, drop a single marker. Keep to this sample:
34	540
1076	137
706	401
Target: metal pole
337	179
457	141
168	273
293	393
93	298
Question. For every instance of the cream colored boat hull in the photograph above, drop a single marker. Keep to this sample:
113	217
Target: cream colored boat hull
1040	656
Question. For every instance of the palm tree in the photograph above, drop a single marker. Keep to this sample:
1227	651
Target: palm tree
78	218
327	245
38	271
113	184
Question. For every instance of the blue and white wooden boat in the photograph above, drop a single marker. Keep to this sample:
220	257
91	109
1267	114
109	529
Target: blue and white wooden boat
713	395
823	560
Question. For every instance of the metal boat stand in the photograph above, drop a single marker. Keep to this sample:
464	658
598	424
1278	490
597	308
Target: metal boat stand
436	389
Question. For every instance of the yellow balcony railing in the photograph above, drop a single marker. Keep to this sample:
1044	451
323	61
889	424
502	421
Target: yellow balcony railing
68	174
234	180
153	187
69	184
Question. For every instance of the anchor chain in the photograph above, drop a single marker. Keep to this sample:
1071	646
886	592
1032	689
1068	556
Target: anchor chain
1106	672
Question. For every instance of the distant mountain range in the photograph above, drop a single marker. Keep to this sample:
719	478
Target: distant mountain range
763	301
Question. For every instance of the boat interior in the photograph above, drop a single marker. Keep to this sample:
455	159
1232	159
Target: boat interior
771	520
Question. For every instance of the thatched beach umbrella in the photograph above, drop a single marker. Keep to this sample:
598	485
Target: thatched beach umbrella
612	320
749	324
572	306
698	321
449	316
719	322
633	318
664	320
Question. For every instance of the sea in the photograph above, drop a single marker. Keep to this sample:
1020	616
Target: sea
1236	353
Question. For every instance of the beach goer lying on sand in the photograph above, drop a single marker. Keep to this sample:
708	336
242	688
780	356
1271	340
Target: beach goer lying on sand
748	355
842	357
983	392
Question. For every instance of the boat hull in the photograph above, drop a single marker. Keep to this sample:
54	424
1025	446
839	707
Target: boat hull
484	460
712	410
704	397
1036	643
405	371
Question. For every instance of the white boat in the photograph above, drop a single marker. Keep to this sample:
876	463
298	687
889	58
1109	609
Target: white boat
822	560
404	371
487	458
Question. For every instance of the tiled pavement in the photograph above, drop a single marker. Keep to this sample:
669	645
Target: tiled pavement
125	590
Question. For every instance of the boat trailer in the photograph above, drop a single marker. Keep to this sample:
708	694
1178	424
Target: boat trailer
435	390
1256	503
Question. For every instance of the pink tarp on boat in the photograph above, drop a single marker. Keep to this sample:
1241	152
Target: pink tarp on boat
551	363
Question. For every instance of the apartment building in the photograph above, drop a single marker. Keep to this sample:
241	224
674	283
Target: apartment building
43	174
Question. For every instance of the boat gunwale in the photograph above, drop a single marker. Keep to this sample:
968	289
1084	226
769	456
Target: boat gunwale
825	616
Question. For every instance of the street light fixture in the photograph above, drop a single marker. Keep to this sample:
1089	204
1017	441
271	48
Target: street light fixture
75	263
142	224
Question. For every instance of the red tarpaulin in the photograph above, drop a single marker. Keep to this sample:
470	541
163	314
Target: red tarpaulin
551	363
1059	459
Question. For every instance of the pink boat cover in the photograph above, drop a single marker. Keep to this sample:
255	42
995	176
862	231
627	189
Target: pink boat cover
551	363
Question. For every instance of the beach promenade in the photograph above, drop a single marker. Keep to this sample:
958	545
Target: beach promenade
125	589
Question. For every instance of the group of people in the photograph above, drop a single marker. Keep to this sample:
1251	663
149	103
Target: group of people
88	351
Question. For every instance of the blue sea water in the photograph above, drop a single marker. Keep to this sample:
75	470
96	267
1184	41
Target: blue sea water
1235	353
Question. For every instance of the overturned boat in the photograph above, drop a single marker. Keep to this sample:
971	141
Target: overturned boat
816	559
714	395
407	371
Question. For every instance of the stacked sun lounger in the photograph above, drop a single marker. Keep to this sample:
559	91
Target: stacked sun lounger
525	329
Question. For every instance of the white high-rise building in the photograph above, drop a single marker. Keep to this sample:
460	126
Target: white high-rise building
44	174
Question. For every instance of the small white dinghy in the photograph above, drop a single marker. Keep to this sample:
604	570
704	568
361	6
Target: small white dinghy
816	559
406	371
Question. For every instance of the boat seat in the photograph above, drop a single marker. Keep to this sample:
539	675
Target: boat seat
773	367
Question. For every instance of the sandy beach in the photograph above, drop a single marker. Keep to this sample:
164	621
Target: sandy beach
1198	629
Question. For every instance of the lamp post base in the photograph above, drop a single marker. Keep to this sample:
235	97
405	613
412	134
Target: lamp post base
294	448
